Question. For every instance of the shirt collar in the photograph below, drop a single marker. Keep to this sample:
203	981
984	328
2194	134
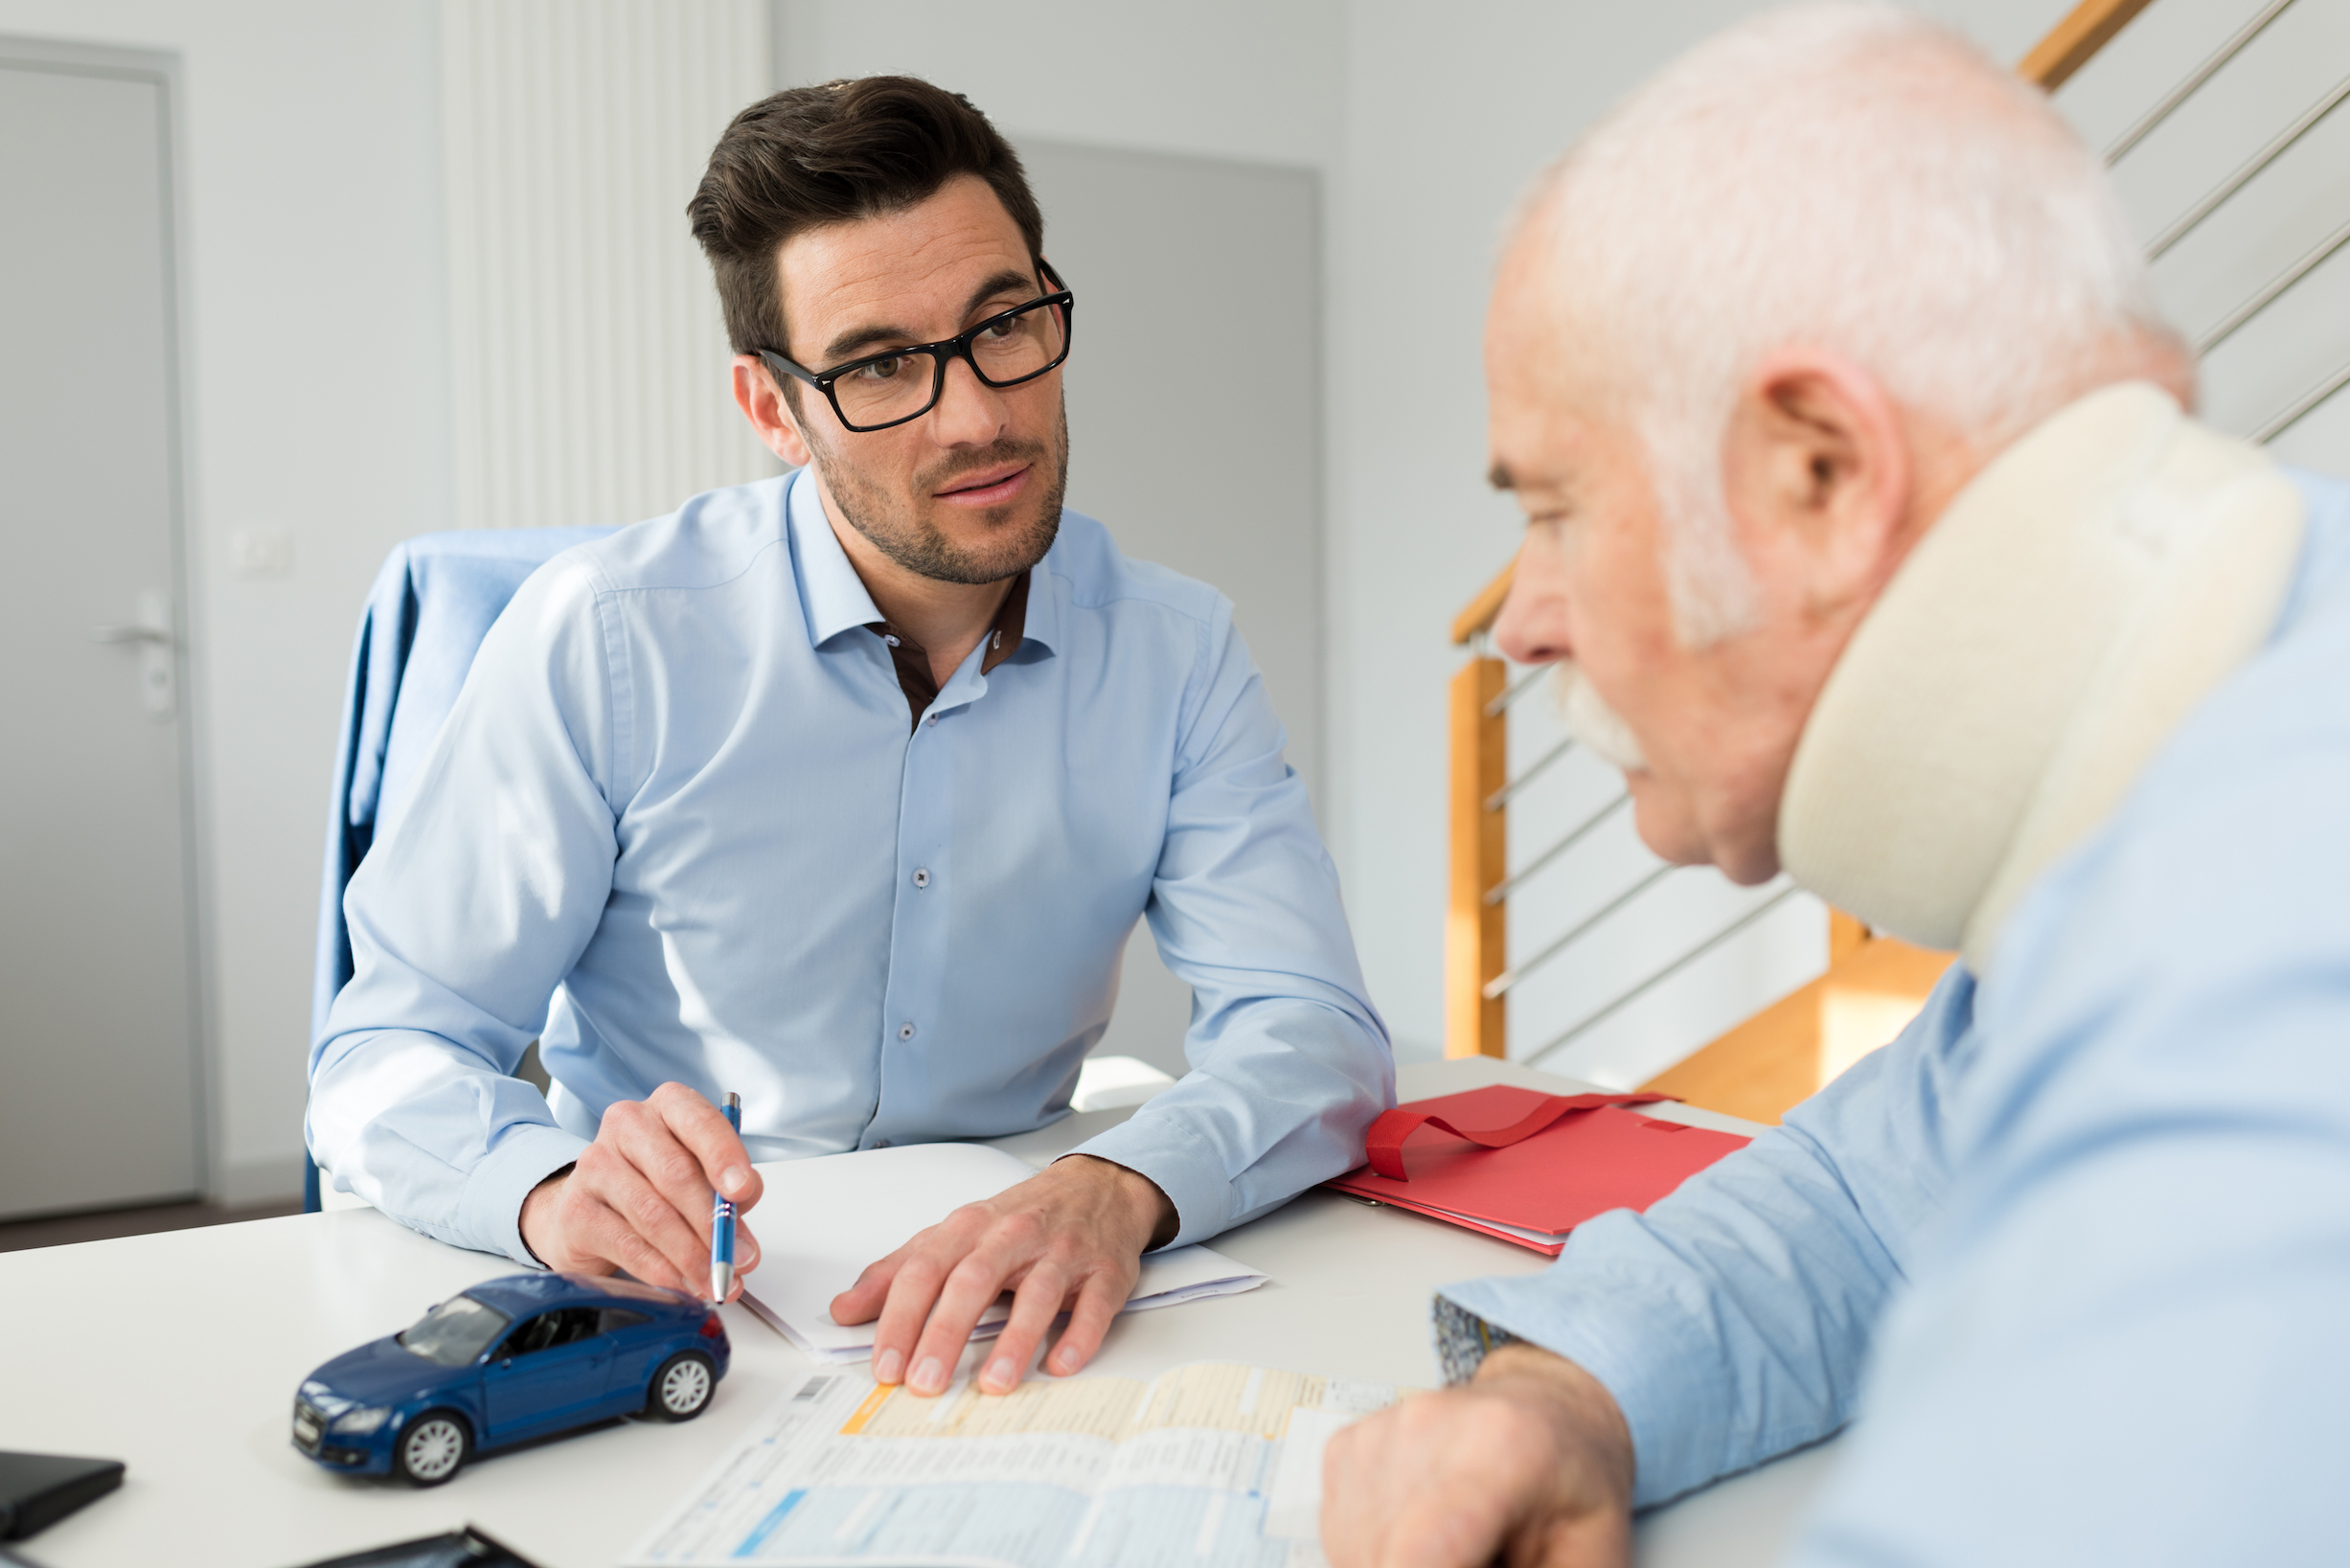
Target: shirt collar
833	597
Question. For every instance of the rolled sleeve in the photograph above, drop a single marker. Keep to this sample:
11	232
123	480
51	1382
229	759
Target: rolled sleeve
1732	1322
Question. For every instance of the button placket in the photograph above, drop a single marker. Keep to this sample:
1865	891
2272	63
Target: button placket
918	939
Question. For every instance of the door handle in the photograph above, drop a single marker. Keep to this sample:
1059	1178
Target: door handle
150	633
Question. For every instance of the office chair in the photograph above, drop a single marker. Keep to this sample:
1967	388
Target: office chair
432	604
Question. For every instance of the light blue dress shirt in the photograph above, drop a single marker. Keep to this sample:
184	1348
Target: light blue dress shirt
2075	1247
676	829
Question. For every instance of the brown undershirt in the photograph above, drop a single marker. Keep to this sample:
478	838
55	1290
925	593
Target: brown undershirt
913	661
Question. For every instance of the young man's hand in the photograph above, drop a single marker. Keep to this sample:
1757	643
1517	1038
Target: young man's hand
1530	1465
639	1198
1071	1236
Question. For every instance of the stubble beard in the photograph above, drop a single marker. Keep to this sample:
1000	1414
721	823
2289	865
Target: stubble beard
1016	537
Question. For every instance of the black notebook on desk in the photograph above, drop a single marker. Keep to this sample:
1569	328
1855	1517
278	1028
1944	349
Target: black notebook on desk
38	1490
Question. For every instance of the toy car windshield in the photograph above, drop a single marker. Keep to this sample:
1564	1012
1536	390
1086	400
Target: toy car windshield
454	1333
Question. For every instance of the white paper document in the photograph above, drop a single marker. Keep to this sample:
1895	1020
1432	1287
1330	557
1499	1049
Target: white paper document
1210	1466
820	1221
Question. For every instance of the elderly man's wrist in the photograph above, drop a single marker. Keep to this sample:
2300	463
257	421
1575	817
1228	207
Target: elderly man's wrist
1583	1416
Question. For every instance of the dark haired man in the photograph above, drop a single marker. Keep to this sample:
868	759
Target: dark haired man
844	790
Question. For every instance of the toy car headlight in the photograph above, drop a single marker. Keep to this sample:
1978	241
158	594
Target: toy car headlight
357	1423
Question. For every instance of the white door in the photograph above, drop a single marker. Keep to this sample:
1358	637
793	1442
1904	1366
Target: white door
98	1079
1198	450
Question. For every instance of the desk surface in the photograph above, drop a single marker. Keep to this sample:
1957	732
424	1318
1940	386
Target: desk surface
179	1353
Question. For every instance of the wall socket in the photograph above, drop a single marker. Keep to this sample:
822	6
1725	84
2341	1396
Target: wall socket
256	554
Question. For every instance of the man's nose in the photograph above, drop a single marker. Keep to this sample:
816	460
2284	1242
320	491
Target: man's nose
1532	625
970	413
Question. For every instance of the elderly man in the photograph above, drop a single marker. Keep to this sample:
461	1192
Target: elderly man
1866	528
844	790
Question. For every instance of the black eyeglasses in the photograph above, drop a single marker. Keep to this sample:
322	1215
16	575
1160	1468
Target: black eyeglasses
887	389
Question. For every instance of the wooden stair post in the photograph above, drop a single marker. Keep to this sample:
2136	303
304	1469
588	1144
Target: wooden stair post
1476	932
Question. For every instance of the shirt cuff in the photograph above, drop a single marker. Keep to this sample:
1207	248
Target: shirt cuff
1167	1150
490	1209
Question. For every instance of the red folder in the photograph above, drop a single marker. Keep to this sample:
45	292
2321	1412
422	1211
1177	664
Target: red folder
1525	1167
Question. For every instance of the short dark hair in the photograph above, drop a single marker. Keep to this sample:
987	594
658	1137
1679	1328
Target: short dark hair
834	153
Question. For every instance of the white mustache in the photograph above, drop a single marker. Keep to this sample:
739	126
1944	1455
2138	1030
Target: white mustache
1594	724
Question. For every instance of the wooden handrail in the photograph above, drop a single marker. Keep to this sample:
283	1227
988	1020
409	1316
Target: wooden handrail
2070	45
1480	612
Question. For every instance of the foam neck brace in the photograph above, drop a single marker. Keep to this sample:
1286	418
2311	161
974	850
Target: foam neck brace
2085	591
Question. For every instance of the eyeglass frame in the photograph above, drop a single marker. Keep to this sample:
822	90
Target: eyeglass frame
943	353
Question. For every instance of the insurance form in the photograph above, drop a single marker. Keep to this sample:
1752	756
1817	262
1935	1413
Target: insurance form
1206	1465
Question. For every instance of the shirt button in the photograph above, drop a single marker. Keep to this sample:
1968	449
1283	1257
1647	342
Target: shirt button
881	1143
891	641
932	719
905	1032
921	876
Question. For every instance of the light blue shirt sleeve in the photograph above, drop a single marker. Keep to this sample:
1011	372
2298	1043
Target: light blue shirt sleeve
1245	908
1731	1321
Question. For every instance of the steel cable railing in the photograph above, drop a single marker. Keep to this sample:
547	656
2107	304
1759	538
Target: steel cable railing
1658	977
1574	835
1500	984
2194	79
2213	199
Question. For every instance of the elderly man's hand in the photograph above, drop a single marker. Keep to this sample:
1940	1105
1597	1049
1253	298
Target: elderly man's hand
640	1197
1530	1465
1070	1237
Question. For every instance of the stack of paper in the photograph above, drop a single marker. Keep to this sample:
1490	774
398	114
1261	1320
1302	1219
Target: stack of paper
820	1221
1212	1464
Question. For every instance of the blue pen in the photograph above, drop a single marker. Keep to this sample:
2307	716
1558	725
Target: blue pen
722	1221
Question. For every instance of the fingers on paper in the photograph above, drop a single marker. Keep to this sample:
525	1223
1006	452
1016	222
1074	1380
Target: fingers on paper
1099	1301
1034	1304
969	1289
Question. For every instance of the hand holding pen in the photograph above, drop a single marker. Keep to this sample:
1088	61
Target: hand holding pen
639	1198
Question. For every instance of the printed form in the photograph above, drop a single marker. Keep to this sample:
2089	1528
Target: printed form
1210	1466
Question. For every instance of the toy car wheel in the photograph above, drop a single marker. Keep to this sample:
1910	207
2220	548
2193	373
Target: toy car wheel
681	1389
433	1449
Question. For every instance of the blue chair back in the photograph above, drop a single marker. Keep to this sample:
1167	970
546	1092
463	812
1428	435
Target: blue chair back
432	604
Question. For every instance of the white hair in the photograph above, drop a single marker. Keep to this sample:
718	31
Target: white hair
1842	176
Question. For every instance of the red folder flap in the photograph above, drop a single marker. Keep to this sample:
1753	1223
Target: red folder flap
1548	1180
1463	1115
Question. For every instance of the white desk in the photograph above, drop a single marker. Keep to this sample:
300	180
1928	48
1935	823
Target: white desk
179	1353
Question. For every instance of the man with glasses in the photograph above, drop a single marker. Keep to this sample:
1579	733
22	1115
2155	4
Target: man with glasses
843	790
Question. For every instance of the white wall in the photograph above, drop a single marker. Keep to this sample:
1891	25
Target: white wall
316	335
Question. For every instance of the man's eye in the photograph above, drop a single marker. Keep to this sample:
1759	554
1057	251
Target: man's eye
1001	329
883	369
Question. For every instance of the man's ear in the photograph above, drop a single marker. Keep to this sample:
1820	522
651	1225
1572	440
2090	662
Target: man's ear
762	403
1817	471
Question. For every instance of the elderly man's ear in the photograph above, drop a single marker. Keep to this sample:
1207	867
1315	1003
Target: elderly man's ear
1818	470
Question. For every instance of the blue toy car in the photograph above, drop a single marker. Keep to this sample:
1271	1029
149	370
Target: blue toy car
526	1357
